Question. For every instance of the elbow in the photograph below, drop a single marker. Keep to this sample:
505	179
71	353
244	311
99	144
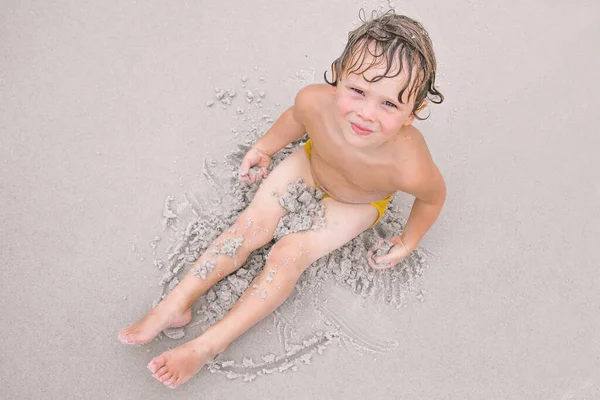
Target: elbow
438	196
443	192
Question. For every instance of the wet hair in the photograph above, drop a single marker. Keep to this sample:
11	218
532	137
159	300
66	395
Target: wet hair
395	41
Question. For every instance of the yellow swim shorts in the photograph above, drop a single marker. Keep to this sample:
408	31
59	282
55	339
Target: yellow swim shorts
380	205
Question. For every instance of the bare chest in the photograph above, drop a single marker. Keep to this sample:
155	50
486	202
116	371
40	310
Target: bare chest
347	175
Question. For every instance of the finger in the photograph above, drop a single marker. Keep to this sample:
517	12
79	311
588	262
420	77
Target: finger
378	244
382	259
260	175
375	247
371	261
382	266
393	257
371	257
388	258
245	178
243	171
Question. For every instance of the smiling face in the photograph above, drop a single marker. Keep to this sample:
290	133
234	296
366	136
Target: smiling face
370	113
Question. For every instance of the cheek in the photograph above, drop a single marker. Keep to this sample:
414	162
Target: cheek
390	123
345	105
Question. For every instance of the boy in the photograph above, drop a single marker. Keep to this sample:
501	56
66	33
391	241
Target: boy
362	149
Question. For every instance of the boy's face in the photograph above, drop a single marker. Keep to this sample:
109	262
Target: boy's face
369	113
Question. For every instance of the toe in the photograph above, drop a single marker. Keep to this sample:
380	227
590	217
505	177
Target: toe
125	336
162	370
165	377
156	363
170	381
131	338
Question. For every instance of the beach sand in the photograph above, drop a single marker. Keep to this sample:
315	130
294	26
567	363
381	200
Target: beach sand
121	128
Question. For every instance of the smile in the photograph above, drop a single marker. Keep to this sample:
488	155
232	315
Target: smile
360	130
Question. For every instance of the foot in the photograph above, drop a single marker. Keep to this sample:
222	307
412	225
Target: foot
153	323
174	367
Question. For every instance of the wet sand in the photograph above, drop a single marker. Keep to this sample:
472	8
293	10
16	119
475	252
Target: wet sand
106	112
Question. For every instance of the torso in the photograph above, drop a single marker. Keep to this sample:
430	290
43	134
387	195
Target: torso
343	171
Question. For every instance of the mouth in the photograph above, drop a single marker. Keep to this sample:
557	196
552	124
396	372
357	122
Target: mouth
359	130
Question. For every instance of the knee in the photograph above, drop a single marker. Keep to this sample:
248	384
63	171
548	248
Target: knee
289	254
254	229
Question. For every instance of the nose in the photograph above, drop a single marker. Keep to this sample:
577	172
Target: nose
367	112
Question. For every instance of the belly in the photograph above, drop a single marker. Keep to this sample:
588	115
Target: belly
347	187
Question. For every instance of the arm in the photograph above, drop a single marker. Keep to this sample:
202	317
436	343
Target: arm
426	183
287	128
429	200
430	195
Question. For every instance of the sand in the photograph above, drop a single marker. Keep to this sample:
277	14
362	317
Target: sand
104	115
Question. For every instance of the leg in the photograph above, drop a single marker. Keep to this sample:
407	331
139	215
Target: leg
289	258
264	212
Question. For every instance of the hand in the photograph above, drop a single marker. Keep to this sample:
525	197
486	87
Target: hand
255	166
397	253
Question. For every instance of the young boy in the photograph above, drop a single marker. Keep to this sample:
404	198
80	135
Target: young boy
362	149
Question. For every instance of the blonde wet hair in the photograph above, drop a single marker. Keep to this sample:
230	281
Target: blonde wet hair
398	42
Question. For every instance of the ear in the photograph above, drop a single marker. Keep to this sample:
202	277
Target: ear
411	118
333	77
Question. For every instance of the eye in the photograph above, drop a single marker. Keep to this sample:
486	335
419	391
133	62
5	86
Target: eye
390	104
358	91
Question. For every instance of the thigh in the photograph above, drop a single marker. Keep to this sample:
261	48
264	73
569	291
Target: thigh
266	200
343	223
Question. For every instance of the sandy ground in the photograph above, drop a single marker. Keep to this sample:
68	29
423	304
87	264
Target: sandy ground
102	115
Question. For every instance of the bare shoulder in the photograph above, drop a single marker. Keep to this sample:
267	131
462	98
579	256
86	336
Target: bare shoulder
417	173
310	100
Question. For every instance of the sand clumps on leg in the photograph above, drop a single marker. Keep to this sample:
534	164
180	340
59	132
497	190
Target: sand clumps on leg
305	211
203	269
